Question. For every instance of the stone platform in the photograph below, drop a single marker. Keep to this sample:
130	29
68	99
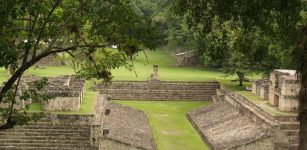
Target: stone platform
223	127
126	128
159	90
110	127
249	117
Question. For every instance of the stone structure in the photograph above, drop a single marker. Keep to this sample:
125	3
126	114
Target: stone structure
155	73
68	92
284	89
162	90
224	127
261	88
110	127
189	58
125	128
281	129
51	60
69	132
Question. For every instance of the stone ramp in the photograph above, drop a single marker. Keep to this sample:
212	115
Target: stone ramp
127	126
223	127
45	136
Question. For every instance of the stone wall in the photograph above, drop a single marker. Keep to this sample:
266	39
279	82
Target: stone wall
109	144
63	103
51	60
159	90
261	88
69	119
67	90
189	58
284	89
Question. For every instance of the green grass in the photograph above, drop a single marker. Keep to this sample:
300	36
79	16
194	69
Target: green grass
3	75
143	68
169	125
50	71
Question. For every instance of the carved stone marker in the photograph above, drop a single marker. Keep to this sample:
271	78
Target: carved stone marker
155	72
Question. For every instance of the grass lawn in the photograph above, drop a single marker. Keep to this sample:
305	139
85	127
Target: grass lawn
143	68
3	75
169	125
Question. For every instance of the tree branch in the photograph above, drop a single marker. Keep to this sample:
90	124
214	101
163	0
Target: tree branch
44	26
27	65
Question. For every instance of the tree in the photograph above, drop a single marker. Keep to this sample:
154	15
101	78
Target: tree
31	30
281	20
248	53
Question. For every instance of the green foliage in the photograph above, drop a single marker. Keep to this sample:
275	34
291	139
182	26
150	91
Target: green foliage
13	111
31	30
249	52
215	45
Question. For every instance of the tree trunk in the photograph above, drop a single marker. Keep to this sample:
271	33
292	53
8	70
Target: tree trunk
303	113
241	78
8	125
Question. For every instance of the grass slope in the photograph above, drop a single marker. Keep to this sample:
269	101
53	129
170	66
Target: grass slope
169	125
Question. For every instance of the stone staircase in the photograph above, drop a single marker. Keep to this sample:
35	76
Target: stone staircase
45	136
158	90
287	126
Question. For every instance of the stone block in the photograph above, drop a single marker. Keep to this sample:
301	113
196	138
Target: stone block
288	104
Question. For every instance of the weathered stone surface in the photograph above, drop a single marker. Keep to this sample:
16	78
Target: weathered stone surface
146	90
51	60
189	58
68	91
284	89
283	128
223	127
128	129
62	132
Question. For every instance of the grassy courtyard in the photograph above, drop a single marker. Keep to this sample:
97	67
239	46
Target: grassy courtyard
170	127
143	68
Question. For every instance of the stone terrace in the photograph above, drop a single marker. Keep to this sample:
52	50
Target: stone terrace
223	127
50	133
127	126
159	90
68	91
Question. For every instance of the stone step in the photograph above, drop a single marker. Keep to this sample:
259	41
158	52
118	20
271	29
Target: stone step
53	126
47	144
38	129
216	98
293	139
54	141
41	148
34	134
220	92
286	146
47	137
291	132
289	125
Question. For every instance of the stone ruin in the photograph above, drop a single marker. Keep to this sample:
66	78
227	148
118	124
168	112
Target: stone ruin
222	126
234	122
281	89
68	92
154	75
261	88
125	128
51	60
189	58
